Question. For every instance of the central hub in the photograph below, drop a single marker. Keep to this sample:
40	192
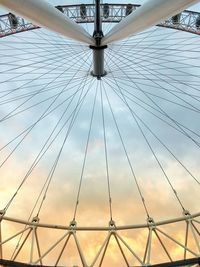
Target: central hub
98	49
98	61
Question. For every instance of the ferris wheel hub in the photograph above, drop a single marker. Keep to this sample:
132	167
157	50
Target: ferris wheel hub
98	61
98	49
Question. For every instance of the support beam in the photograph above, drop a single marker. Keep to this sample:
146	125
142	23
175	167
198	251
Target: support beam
43	14
98	50
149	14
98	61
181	263
1	250
98	34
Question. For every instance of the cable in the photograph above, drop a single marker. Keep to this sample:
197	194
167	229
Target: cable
106	154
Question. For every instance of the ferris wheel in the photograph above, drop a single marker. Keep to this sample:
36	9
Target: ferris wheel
99	134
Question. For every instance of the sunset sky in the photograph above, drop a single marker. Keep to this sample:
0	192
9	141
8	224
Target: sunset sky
144	148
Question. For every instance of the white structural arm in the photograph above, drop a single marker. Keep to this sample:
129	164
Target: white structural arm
43	14
149	14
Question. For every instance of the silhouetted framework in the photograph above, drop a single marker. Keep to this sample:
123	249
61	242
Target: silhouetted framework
188	21
179	263
9	263
182	263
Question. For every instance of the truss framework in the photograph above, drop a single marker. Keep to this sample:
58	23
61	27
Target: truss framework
154	233
187	21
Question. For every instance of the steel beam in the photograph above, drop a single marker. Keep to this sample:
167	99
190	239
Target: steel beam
189	21
98	50
181	263
43	14
148	15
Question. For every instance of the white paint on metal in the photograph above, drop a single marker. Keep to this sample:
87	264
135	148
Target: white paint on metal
101	249
129	248
149	14
80	251
149	246
194	235
99	228
32	244
100	255
177	242
13	236
43	14
52	247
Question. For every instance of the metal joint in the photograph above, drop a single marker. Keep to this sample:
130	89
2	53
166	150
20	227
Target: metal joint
2	213
35	220
151	223
101	47
187	214
112	224
98	50
73	224
98	37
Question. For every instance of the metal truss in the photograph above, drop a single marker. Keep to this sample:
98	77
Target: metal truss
156	233
187	21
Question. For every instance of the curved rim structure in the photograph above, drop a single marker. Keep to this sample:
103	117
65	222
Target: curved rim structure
186	21
66	233
152	231
149	223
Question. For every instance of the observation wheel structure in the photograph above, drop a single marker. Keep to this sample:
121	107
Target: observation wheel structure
187	20
100	142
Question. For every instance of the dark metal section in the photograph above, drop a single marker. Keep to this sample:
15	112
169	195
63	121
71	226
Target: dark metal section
60	8
129	9
176	19
98	50
13	20
98	63
198	22
181	263
98	47
98	34
106	10
83	11
18	264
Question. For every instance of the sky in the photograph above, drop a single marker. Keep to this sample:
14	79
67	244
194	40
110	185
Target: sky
132	137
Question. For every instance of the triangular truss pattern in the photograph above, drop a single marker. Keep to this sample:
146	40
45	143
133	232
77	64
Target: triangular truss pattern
156	242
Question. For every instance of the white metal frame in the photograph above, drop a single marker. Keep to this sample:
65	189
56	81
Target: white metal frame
149	14
154	229
41	13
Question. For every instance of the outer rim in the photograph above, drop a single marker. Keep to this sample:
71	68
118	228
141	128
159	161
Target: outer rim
187	19
93	228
